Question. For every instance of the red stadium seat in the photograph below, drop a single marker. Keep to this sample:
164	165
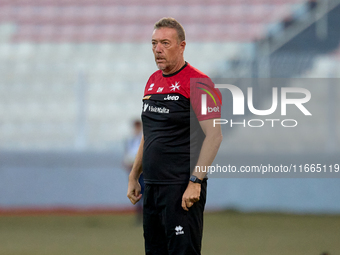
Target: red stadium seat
238	19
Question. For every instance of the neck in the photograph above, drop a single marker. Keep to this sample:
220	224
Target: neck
178	66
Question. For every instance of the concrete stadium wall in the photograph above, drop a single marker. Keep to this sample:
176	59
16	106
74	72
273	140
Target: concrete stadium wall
90	181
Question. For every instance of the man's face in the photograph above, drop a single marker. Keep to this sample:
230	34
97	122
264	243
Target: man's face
167	50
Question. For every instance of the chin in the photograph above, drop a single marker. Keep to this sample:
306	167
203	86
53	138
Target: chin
161	66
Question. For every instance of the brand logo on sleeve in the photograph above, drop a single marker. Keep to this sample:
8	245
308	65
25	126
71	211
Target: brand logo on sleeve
205	108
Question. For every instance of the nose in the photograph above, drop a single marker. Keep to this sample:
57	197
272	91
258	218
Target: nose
158	47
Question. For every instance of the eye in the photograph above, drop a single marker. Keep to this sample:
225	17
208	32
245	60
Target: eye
166	43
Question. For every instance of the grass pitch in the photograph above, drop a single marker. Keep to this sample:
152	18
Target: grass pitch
224	233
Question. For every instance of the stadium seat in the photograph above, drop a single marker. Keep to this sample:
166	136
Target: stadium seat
57	47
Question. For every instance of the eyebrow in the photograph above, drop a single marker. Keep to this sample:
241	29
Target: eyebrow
162	40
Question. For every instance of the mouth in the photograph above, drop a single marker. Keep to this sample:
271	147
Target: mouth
159	59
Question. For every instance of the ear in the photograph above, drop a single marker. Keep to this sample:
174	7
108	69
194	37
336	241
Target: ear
182	45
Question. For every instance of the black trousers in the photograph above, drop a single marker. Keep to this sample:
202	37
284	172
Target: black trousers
168	228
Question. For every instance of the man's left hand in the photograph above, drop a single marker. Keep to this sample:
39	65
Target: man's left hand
191	195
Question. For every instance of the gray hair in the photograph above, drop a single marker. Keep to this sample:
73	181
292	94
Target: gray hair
171	23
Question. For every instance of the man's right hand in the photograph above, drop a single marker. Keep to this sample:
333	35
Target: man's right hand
134	190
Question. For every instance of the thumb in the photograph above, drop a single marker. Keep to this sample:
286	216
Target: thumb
184	205
138	195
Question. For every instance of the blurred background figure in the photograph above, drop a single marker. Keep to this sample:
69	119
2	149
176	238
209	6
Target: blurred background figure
131	148
312	4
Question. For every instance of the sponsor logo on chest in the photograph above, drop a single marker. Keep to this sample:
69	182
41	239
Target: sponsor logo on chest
169	97
150	108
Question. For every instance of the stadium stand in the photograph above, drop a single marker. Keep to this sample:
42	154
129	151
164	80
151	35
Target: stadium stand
75	70
315	61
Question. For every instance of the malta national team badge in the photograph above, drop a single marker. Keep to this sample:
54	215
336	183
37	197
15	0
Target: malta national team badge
174	87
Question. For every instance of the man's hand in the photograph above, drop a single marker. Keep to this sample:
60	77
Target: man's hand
134	190
191	195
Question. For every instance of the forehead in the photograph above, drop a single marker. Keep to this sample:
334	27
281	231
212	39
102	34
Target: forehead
164	33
